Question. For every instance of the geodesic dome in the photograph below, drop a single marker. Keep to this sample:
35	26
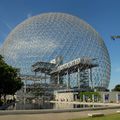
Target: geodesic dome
46	36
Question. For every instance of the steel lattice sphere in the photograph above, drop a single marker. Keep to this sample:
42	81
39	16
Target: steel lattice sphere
46	36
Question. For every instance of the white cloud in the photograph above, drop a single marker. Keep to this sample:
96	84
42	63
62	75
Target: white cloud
9	26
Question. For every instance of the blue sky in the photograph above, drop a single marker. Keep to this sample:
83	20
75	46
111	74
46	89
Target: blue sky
103	15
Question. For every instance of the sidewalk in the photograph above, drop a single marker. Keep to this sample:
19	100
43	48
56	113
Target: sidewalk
55	116
87	103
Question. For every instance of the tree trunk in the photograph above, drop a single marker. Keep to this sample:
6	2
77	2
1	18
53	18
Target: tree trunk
5	98
0	96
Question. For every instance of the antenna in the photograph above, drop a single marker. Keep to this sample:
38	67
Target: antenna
115	37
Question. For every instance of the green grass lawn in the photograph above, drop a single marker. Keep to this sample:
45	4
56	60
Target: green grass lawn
108	117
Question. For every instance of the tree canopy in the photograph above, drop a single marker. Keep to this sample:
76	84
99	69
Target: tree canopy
117	88
9	80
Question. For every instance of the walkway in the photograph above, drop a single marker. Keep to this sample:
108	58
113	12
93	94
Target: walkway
86	103
55	116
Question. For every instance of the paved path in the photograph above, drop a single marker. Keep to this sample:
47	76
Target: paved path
87	103
55	116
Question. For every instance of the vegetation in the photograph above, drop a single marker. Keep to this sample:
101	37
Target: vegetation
9	80
117	88
109	117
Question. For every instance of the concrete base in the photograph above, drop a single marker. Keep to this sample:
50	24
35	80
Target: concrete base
95	114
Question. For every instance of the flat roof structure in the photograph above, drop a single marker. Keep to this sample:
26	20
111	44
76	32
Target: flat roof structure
50	68
72	66
44	67
33	77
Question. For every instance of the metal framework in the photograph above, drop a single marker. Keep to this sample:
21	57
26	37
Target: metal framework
47	36
81	66
50	77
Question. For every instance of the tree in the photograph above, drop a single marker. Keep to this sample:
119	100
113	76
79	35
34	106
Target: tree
9	80
117	88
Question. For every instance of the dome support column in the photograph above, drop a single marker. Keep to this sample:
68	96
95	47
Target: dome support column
78	81
68	80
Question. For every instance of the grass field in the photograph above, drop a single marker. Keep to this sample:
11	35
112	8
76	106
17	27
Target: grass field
108	117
